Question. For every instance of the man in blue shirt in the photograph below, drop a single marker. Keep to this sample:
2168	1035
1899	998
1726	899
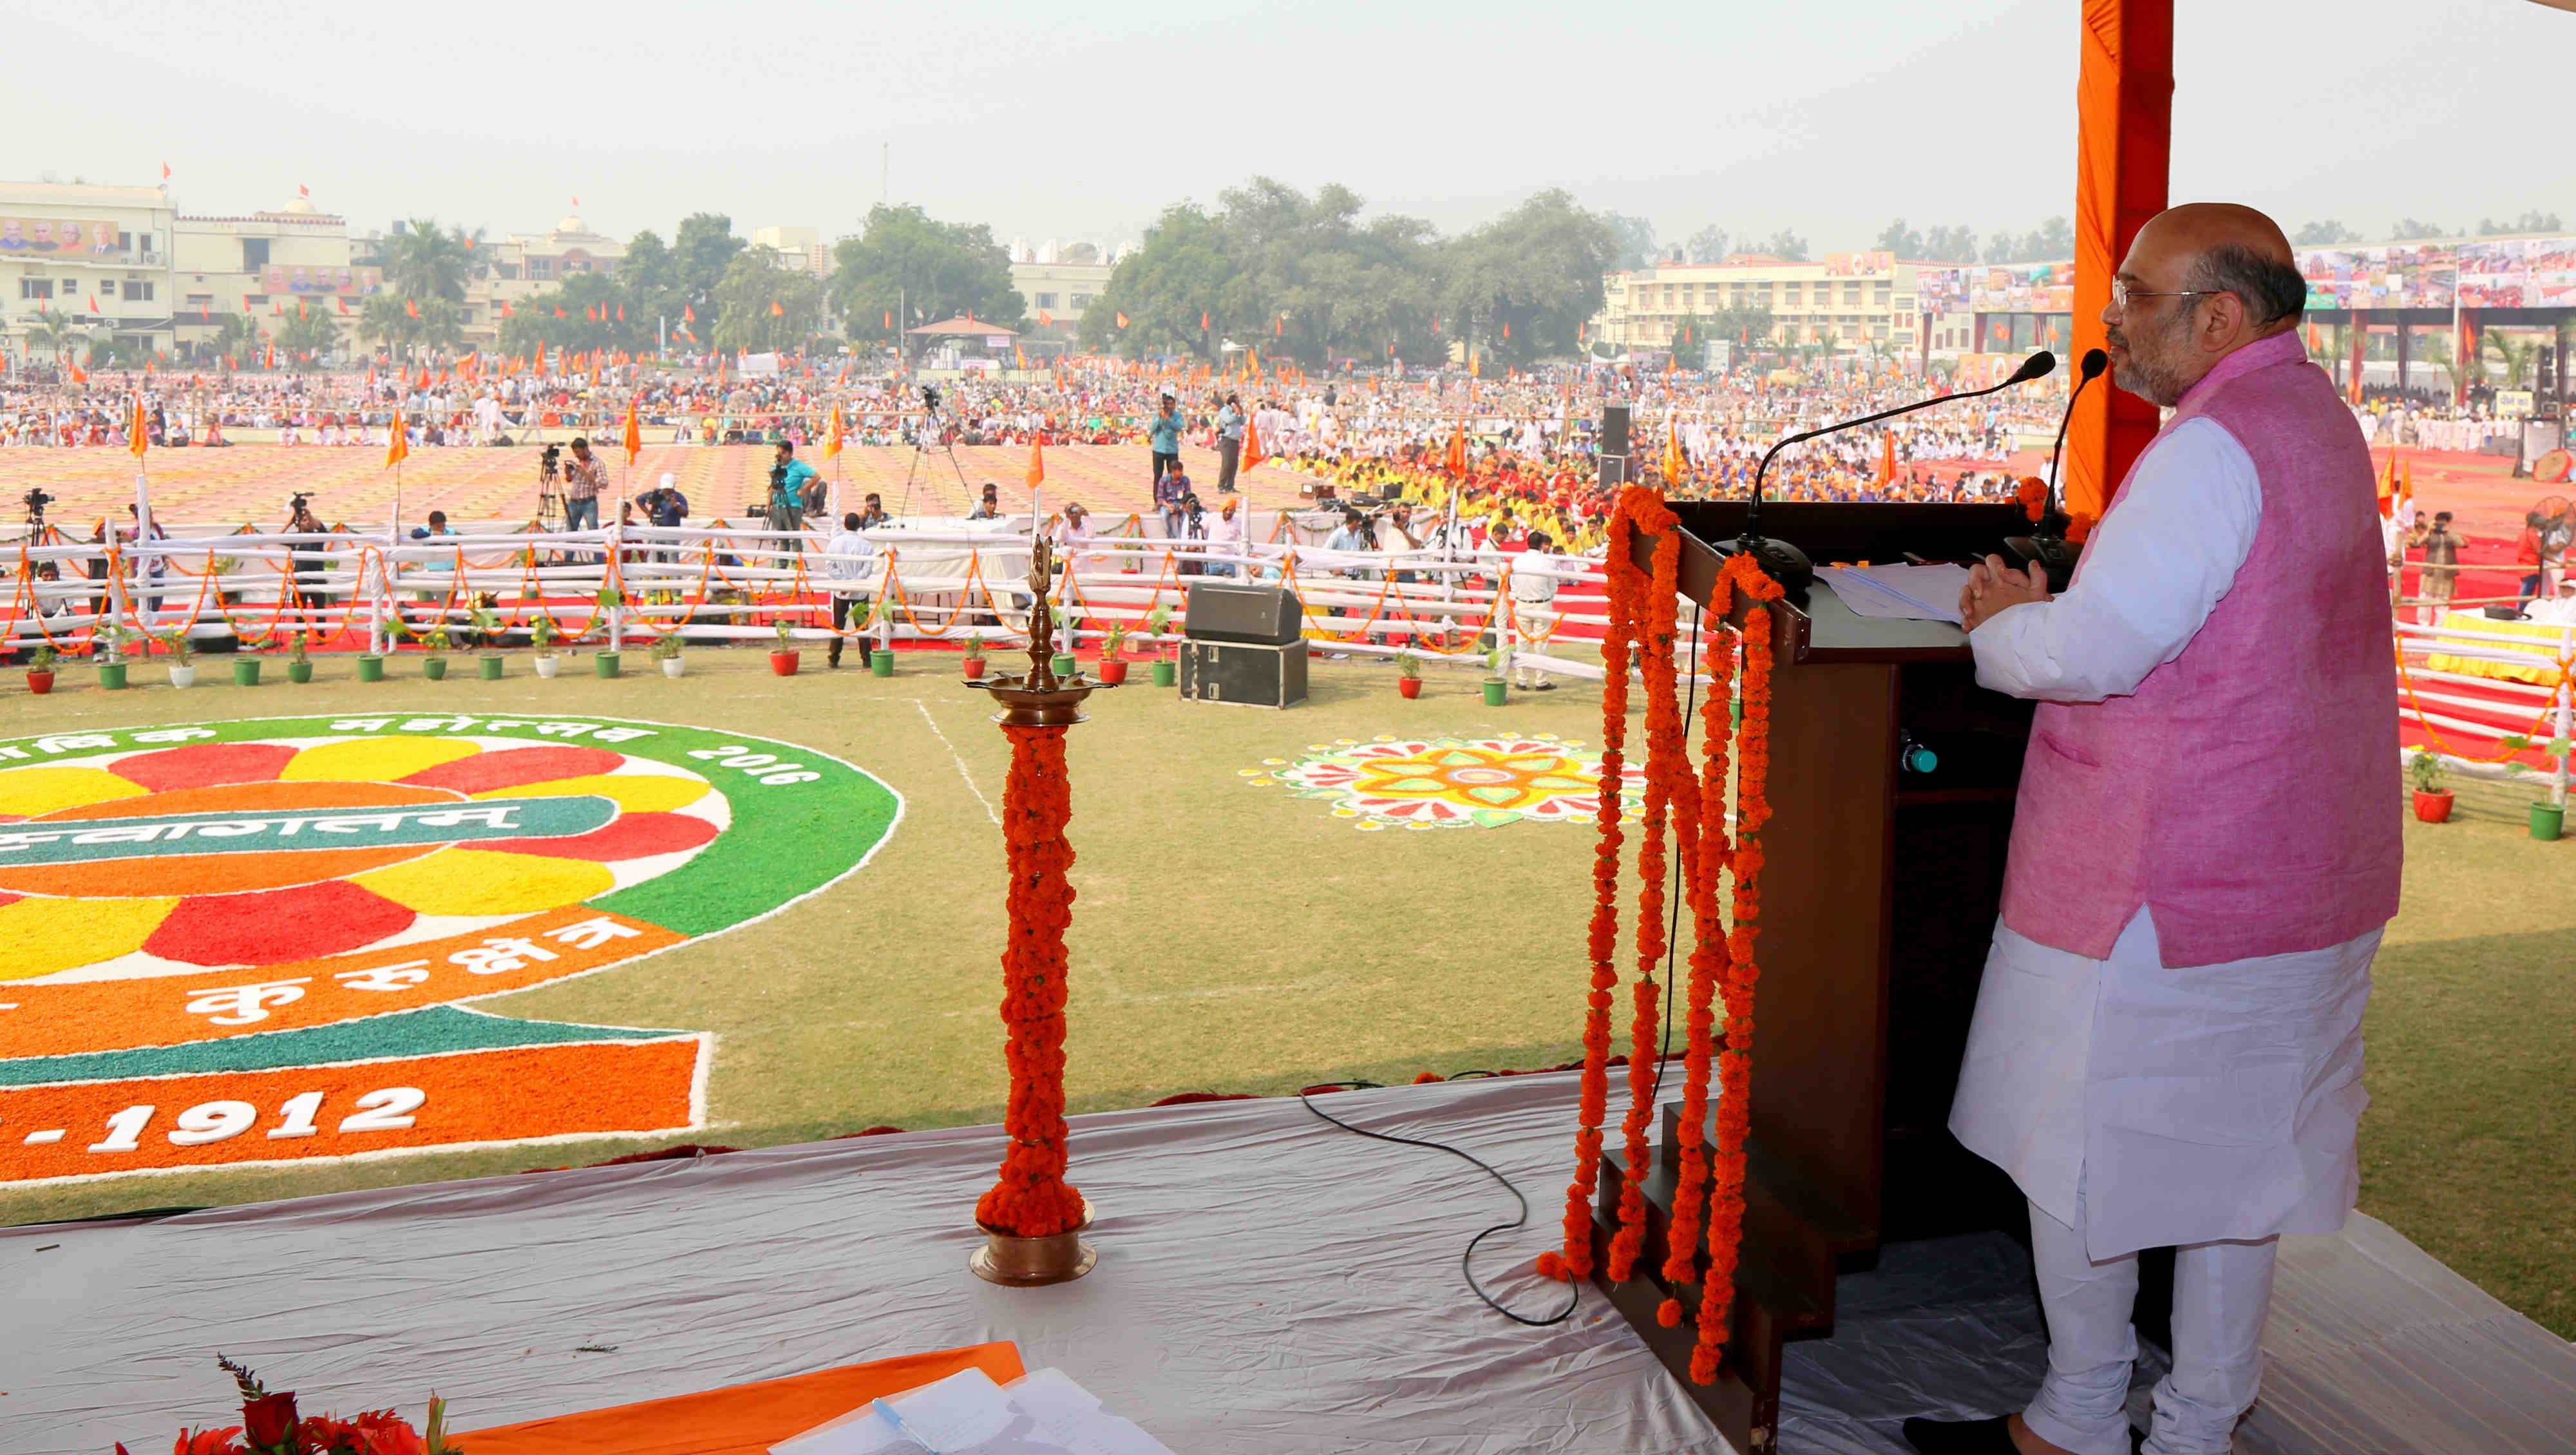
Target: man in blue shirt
1163	432
1229	443
787	480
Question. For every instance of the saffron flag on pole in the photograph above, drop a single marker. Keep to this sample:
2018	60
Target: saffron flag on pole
398	442
1045	319
411	306
1036	473
1457	461
634	440
1676	464
136	445
1122	320
832	438
775	310
1252	455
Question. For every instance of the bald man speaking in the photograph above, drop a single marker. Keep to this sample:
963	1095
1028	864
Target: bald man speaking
2167	1044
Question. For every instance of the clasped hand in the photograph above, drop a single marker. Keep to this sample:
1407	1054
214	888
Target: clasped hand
1992	586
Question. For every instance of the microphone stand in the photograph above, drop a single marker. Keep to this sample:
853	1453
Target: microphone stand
1785	563
2047	548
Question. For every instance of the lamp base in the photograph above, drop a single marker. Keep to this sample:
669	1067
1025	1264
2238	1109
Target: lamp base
1018	1262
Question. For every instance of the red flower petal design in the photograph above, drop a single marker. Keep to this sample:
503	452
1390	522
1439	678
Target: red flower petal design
631	836
511	767
270	925
203	765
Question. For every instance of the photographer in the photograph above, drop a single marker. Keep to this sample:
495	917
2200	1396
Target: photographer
1229	443
304	584
585	476
787	480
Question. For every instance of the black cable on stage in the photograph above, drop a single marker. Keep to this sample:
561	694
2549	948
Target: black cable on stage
1466	1259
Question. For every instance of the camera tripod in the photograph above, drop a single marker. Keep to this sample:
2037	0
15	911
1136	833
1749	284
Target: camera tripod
932	419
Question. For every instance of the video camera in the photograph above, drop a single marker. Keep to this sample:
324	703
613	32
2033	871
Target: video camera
295	505
549	464
930	395
36	500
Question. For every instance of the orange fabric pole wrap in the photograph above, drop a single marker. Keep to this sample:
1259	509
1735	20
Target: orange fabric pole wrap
1032	1199
2124	118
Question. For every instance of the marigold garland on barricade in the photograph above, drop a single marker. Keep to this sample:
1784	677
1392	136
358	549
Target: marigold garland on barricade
1032	1199
1705	857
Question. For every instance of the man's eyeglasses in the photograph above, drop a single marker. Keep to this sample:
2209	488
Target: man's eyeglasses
2121	293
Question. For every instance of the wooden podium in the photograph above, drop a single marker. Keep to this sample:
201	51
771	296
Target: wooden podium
1880	888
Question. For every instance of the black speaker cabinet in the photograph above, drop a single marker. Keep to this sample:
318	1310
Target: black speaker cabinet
1614	429
1245	674
1220	611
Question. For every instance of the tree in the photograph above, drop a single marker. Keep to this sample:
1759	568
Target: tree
55	331
236	336
1708	245
2415	227
1950	245
2528	222
1181	272
1785	245
1746	327
764	305
389	320
424	262
700	253
912	267
2326	234
1633	240
2515	352
1901	240
590	304
2053	241
310	338
1524	284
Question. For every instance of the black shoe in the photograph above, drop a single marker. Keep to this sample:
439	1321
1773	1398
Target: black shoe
1959	1437
833	658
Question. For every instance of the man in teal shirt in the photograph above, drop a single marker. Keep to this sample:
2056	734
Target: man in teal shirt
1164	433
787	479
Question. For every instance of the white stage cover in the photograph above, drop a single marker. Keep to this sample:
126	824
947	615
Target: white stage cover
1266	1283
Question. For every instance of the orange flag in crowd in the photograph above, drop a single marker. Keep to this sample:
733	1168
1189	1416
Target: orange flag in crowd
775	311
136	445
1122	320
409	306
1457	460
1036	473
79	374
1887	459
1676	464
832	440
634	440
397	448
1251	443
1045	319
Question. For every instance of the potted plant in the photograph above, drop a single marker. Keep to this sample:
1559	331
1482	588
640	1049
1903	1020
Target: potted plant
433	664
299	668
183	657
40	669
880	657
666	650
974	656
1166	670
606	661
1113	669
245	670
541	632
371	664
1408	674
1496	687
107	649
782	658
487	624
2432	800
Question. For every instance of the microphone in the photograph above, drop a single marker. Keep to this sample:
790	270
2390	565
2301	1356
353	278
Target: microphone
2046	547
1785	563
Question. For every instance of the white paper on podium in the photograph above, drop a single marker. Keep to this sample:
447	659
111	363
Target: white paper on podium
1044	1413
1908	593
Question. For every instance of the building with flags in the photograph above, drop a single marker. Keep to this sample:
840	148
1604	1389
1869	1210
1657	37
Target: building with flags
1059	285
263	263
97	255
1843	301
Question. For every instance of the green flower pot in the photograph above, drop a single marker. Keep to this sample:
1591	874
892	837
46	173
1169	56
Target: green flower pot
1064	664
299	671
371	668
881	662
111	675
2548	821
1166	673
1495	691
605	662
245	671
492	663
433	668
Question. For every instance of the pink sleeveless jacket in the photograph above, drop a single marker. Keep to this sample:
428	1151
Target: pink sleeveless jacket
2246	791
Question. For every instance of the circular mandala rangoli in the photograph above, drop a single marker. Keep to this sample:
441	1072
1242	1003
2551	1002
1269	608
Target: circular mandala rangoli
1429	783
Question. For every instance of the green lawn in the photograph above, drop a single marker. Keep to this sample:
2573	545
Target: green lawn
1228	937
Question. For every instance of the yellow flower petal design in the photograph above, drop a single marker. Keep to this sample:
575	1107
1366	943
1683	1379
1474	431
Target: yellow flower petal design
374	760
634	792
40	936
31	791
477	881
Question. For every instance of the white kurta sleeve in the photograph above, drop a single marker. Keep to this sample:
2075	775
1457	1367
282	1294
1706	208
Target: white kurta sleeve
2152	571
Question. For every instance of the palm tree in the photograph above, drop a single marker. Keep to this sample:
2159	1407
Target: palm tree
315	334
2517	354
424	262
55	331
236	336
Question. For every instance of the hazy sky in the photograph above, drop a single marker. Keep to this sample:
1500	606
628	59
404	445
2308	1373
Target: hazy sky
1056	118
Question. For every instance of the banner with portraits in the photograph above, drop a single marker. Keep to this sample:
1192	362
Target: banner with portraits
57	237
292	278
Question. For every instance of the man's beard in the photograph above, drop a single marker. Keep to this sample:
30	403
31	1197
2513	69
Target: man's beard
2152	379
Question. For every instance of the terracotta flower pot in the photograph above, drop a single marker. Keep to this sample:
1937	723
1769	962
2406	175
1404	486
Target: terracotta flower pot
974	668
1408	687
39	681
2433	807
1113	670
783	663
